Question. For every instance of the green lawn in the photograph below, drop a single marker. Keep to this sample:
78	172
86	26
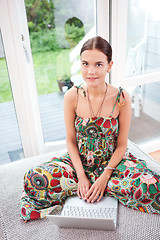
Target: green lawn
5	90
47	66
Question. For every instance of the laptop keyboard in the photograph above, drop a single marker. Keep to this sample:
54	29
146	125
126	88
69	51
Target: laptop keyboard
76	211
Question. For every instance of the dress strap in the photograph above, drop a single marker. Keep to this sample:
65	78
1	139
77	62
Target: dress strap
118	100
84	93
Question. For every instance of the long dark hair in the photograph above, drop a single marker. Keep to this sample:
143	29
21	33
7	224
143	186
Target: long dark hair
100	44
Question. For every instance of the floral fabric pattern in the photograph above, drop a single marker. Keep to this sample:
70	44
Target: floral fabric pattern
132	183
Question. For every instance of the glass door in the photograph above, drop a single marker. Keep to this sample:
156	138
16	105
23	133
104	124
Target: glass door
143	37
143	61
137	55
10	141
14	31
57	31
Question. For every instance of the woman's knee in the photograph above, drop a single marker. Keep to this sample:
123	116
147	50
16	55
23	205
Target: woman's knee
37	179
49	179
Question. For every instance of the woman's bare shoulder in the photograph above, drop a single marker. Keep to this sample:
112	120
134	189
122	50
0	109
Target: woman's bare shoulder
71	94
114	91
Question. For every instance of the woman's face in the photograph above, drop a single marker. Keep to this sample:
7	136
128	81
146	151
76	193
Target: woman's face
94	66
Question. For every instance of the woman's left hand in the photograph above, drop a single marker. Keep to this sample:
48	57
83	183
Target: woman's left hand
96	191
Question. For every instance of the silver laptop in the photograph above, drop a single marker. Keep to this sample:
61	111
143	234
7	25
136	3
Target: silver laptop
77	213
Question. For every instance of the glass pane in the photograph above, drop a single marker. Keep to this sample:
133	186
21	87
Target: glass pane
10	141
143	37
56	27
145	123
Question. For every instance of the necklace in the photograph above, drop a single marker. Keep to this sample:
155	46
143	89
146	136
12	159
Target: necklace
100	108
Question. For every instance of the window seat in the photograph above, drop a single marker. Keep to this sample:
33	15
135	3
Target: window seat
131	223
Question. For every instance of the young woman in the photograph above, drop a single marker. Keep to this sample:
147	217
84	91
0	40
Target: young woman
97	118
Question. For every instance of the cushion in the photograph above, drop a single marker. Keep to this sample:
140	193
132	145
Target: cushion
131	223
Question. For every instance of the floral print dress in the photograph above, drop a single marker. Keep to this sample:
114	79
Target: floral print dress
132	183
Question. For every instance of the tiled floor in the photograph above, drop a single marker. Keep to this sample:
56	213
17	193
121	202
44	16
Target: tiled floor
144	128
51	109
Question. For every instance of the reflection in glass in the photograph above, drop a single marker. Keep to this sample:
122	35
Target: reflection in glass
145	123
143	57
10	141
143	37
57	29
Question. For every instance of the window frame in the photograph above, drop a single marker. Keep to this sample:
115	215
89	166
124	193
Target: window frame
13	26
118	25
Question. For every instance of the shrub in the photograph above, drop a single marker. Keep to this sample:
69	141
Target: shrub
73	34
43	41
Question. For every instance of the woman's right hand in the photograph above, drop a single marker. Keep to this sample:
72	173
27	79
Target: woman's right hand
83	186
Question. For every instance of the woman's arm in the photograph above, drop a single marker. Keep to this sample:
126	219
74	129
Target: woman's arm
69	116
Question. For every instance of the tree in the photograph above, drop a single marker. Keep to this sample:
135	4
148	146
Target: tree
40	14
74	31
